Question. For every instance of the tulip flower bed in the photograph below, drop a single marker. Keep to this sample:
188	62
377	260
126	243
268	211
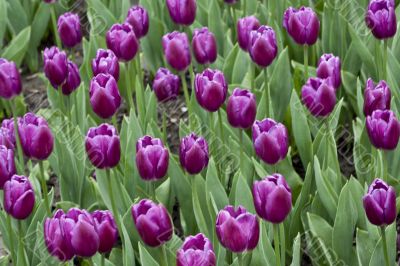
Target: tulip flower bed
285	116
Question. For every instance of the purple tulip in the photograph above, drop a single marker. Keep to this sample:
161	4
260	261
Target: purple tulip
139	20
204	46
193	153
106	229
104	95
7	165
244	27
262	46
177	50
302	25
241	109
50	1
103	146
196	251
182	12
55	66
73	79
151	158
230	2
210	89
153	222
376	97
272	198
105	62
318	96
270	140
7	135
166	85
380	203
19	197
121	39
383	129
329	68
10	79
237	229
69	29
381	18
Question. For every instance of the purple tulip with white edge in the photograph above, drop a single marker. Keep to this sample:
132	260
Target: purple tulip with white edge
106	229
177	50
121	39
196	251
7	165
10	79
329	67
105	62
319	96
19	197
138	18
383	129
204	46
166	85
104	95
210	89
193	153
376	97
381	18
302	25
182	12
241	109
263	47
69	29
243	27
55	66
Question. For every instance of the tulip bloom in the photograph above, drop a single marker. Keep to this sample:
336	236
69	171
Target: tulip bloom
237	229
204	46
73	79
152	222
193	153
262	46
106	229
121	39
104	95
166	85
55	66
7	165
19	197
196	251
302	25
7	135
329	68
69	29
244	27
270	140
177	50
10	79
182	12
381	18
383	129
139	20
105	62
318	96
241	109
210	89
376	97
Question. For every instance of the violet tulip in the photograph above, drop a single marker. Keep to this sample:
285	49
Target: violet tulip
182	12
69	29
204	46
106	229
263	47
104	95
383	129
196	251
244	27
319	96
329	67
177	50
105	62
139	20
19	197
121	39
7	165
73	79
166	85
376	97
10	79
193	153
7	135
55	66
210	89
302	25
381	18
241	109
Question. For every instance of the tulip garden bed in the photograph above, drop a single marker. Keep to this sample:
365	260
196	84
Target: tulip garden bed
199	132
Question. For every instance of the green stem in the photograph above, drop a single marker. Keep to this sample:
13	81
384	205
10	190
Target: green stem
129	86
385	59
114	121
241	148
164	126
76	107
268	107
385	174
11	239
44	188
306	61
384	245
102	260
221	127
164	256
54	22
276	245
21	240
253	77
240	259
21	163
186	93
244	8
326	120
283	244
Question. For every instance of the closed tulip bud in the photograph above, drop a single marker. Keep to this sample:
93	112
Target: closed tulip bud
73	79
318	96
376	97
152	222
104	95
237	229
177	50
151	158
55	66
196	251
383	129
121	39
270	140
241	109
244	27
302	25
105	62
380	203
7	165
10	79
166	85
69	29
7	135
139	20
106	229
262	46
193	153
210	89
272	198
182	12
204	46
103	146
37	140
329	68
19	197
381	18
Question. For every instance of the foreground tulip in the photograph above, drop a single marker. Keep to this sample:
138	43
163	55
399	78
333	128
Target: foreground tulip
103	146
55	66
106	229
105	62
244	27
318	96
381	18
182	12
69	29
383	129
376	97
7	165
152	222
19	197
237	230
166	85
196	251
10	79
177	50
241	109
121	39
193	153
210	89
262	46
204	46
104	95
270	140
73	79
302	25
329	68
139	20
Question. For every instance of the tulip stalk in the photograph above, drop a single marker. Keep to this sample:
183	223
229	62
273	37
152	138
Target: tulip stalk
113	206
43	184
221	127
164	256
384	245
164	126
102	262
276	244
240	259
54	22
21	167
11	239
21	240
385	59
241	148
306	61
129	86
282	240
268	107
186	93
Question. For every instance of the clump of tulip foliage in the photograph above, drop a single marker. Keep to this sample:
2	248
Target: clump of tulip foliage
284	151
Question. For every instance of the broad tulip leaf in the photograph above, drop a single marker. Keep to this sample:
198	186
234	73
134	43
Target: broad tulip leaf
16	49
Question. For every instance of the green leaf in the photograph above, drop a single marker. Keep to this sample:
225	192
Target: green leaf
320	228
3	21
377	256
145	257
129	258
16	49
296	255
99	16
151	44
214	186
215	23
201	222
365	246
16	16
243	195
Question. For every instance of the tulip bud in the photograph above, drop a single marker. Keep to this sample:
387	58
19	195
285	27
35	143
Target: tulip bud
210	89
262	46
196	251
318	96
176	50
121	39
237	229
329	68
376	97
182	11
10	79
380	203
193	153
152	222
19	197
37	140
55	66
270	140
204	46
383	129
272	198
151	158
381	18
104	95
69	29
105	62
73	79
139	20
7	135
244	27
166	85
106	229
7	165
302	25
103	146
241	109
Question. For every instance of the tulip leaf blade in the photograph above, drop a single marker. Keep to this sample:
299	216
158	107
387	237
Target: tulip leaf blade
214	186
129	258
377	255
243	195
198	213
320	228
145	257
16	49
365	247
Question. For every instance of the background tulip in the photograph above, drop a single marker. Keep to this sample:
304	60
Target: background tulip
231	2
318	96
6	137
204	46
241	109
104	95
19	197
121	39
73	79
166	85
383	129
182	11
176	50
210	89
381	18
106	229
262	46
10	79
329	68
196	251
193	153
139	20
55	66
244	27
105	62
69	29
302	25
7	165
376	97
